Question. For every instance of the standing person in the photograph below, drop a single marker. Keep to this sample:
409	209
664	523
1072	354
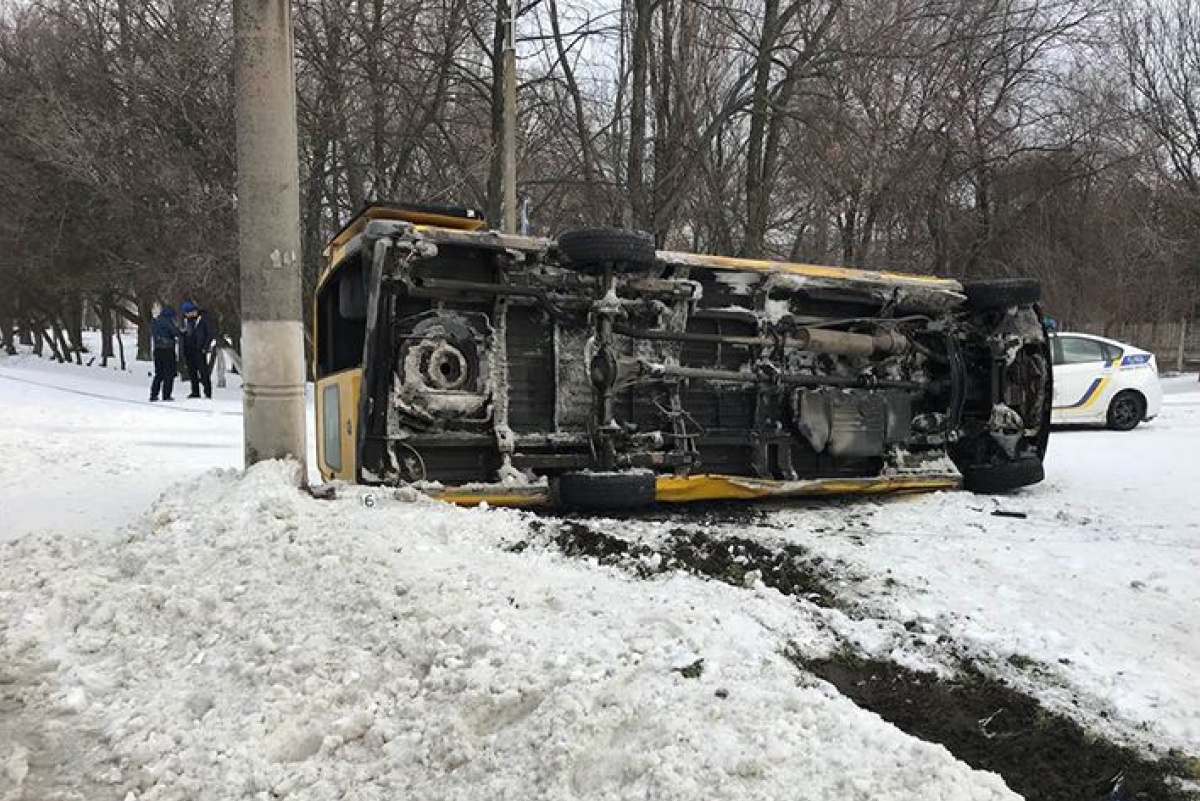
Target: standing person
163	335
197	336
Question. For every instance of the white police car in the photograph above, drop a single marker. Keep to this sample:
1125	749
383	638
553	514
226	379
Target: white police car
1099	381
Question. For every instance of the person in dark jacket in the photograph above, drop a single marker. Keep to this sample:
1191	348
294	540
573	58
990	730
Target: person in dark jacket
163	335
197	337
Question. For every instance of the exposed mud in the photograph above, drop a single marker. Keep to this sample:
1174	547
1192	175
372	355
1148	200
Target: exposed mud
738	561
705	513
790	569
990	726
579	539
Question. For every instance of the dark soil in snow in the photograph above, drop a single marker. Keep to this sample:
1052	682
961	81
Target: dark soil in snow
990	726
790	569
702	513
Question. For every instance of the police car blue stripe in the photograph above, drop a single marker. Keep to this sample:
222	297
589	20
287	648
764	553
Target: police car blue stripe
1090	391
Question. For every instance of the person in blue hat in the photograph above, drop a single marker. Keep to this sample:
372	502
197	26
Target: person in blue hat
163	335
197	338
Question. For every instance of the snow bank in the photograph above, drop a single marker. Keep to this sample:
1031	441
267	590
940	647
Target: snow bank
245	641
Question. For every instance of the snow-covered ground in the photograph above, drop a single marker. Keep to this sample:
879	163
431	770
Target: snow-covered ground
1100	582
85	452
238	639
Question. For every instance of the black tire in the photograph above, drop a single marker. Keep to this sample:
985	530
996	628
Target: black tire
1126	410
1002	293
591	247
633	489
1003	476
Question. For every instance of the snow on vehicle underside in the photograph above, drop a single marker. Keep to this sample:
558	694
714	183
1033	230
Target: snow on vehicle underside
601	368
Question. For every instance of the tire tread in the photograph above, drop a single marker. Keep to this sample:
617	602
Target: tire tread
586	246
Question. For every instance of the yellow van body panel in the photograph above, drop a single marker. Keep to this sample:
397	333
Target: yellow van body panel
335	250
711	262
348	385
712	487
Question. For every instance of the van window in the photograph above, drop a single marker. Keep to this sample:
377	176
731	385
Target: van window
331	416
342	317
352	291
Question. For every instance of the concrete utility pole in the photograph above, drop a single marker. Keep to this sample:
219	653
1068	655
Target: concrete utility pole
510	122
269	232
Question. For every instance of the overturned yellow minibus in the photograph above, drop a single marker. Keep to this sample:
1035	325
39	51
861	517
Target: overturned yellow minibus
594	371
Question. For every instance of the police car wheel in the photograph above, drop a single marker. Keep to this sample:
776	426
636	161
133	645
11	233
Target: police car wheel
1125	411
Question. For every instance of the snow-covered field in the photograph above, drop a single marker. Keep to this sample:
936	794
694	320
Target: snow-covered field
237	639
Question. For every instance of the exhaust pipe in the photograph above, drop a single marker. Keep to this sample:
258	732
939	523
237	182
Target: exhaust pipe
843	343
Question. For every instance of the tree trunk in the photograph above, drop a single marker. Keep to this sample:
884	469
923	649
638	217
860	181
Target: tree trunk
24	326
64	346
6	334
796	252
106	331
121	348
73	326
756	182
379	84
145	315
768	108
848	228
495	183
669	143
587	155
53	340
311	242
616	145
820	246
639	57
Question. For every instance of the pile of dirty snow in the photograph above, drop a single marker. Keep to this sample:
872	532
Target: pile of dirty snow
243	640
